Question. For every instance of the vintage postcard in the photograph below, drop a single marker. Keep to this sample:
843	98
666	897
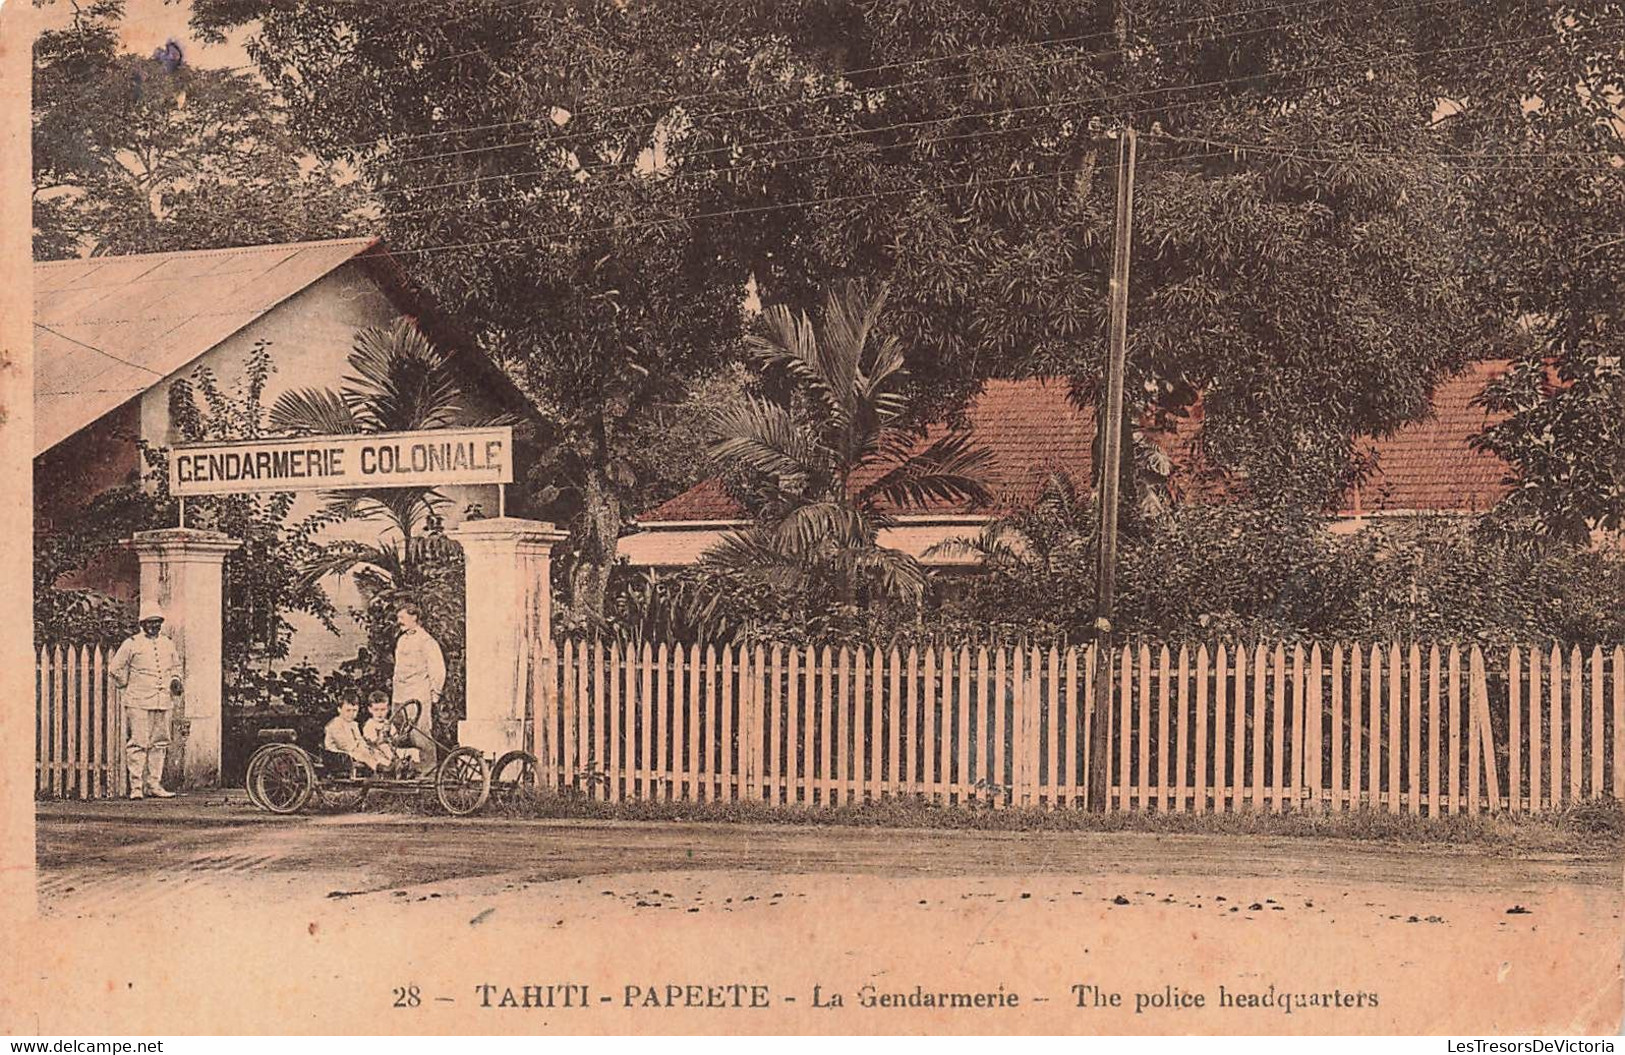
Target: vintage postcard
657	517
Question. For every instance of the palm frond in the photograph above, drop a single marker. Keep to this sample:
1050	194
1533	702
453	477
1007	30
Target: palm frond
789	342
762	437
753	552
312	412
843	333
885	390
946	471
400	381
891	573
805	529
1059	498
998	546
345	558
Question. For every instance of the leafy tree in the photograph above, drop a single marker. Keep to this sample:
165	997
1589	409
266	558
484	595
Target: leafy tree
596	185
136	154
836	464
537	139
1248	572
1564	435
1544	144
85	615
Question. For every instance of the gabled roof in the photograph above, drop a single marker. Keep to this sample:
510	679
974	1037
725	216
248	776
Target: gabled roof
108	328
1033	430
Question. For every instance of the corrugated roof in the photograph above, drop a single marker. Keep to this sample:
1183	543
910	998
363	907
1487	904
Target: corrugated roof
1034	430
108	328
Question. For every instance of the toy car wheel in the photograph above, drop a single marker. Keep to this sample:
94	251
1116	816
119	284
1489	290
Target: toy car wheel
341	798
462	783
251	774
513	779
285	780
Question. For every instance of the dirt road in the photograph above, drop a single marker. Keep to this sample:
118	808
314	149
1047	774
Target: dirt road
467	911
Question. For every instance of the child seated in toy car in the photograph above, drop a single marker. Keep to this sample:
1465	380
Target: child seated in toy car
342	737
385	742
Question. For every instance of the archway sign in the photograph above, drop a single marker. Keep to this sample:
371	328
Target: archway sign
508	564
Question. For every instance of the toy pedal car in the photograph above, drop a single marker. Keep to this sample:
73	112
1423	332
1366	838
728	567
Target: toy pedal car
285	778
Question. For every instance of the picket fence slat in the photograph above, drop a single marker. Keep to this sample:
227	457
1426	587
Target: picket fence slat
1535	709
1513	725
1223	682
1277	739
1413	739
1554	727
1315	730
1339	786
1596	739
1297	775
1574	710
1619	722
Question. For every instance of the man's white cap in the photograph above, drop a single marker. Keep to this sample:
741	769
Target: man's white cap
150	610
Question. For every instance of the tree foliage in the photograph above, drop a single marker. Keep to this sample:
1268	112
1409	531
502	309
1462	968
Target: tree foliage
1544	144
398	382
1248	572
262	579
135	154
596	186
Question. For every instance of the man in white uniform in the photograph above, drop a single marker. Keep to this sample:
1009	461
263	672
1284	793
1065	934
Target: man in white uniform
146	672
420	674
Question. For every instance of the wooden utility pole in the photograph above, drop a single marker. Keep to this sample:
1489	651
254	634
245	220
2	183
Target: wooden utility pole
1111	460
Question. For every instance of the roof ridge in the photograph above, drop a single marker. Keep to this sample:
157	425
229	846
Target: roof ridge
364	241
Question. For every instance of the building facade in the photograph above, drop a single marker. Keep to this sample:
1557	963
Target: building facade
113	335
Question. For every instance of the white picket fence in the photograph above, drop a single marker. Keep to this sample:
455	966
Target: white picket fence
1415	729
78	725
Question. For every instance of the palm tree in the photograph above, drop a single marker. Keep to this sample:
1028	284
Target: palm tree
1034	544
838	464
398	382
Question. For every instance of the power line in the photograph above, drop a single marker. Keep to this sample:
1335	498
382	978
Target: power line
857	71
564	234
861	150
1003	112
560	141
1364	152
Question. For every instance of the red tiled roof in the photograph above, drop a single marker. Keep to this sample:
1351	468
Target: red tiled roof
1033	431
1031	428
1429	465
706	500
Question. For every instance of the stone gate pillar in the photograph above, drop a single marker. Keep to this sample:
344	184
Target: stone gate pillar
183	569
508	654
